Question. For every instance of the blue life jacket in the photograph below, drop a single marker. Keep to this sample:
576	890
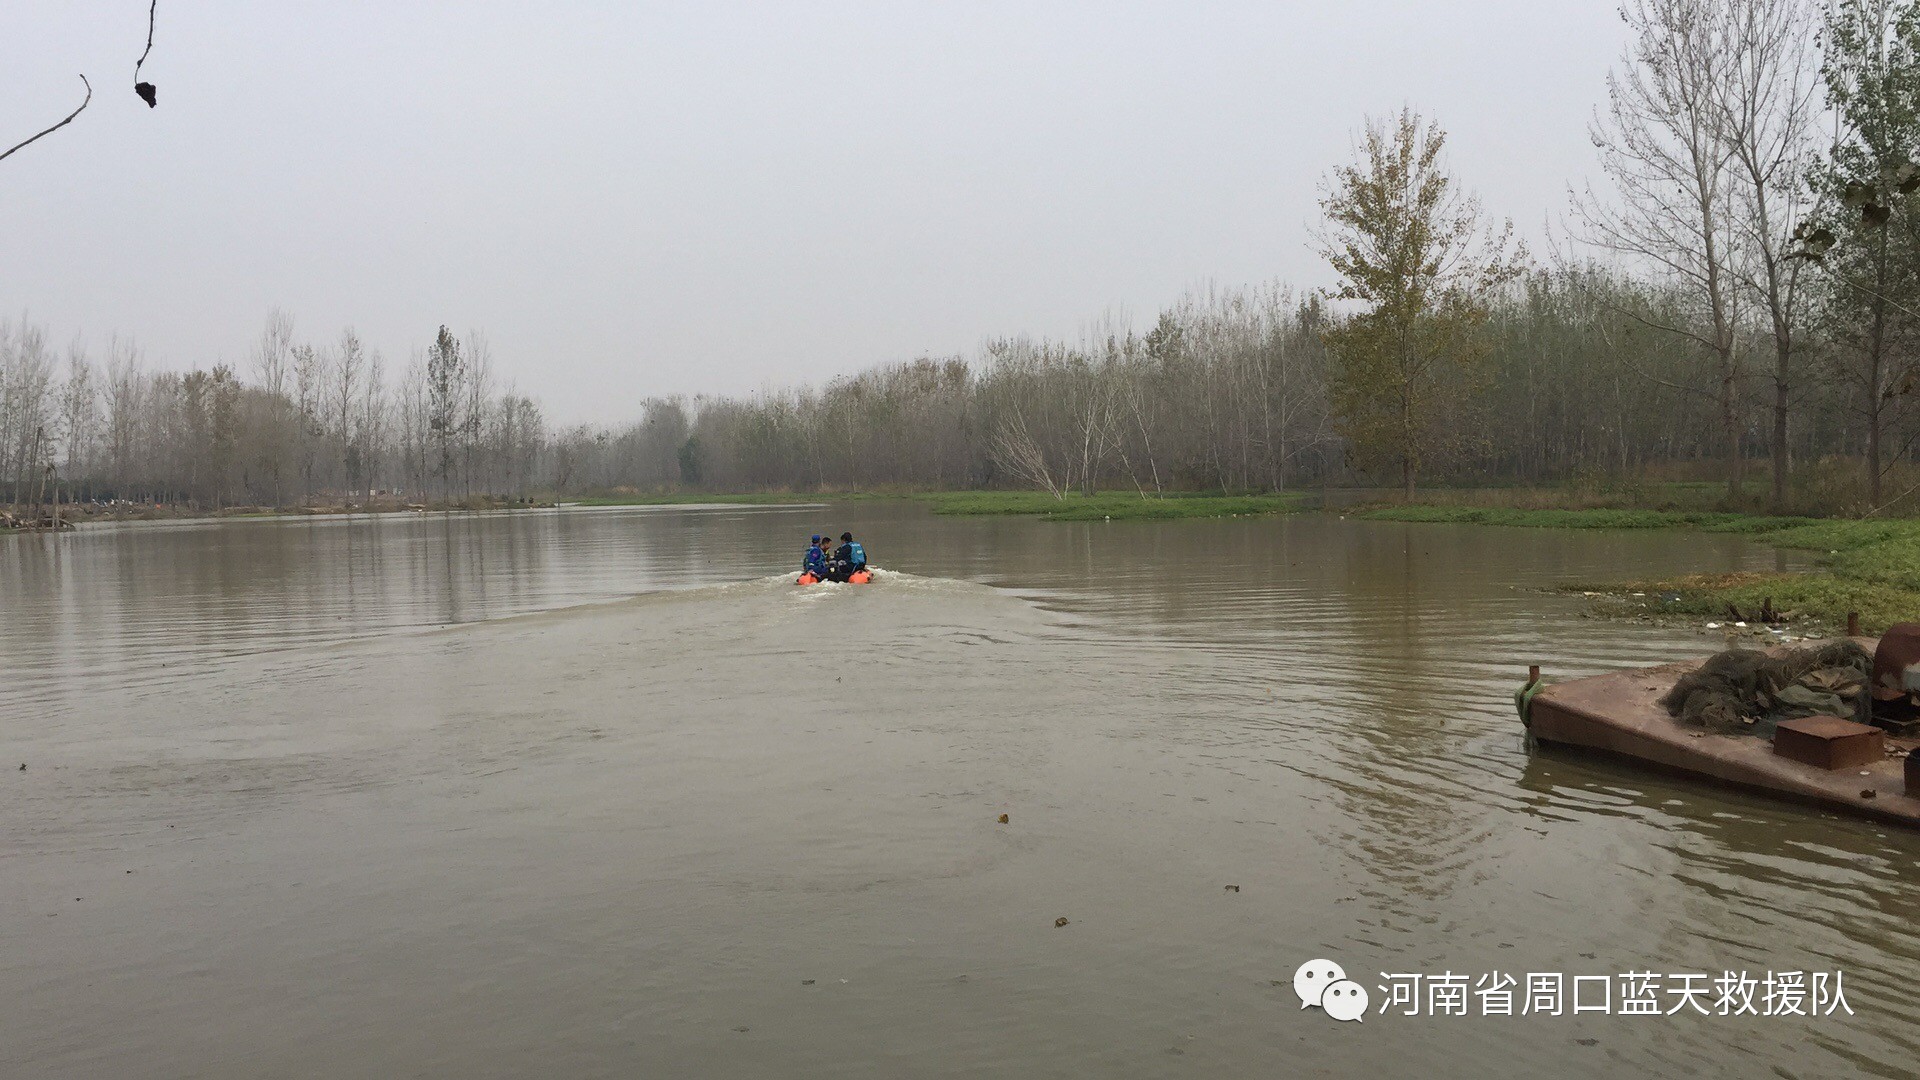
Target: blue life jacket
856	554
815	562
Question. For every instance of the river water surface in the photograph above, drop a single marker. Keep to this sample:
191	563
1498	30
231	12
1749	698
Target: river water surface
600	793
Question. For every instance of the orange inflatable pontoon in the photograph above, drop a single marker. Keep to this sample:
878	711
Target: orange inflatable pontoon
860	578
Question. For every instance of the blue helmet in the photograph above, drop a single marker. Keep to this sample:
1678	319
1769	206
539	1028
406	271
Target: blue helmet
816	539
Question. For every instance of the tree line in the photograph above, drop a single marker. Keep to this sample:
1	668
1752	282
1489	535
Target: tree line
307	422
1740	297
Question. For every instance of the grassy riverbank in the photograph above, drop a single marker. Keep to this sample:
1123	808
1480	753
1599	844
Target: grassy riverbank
1872	567
1110	505
758	498
86	512
1607	518
1103	506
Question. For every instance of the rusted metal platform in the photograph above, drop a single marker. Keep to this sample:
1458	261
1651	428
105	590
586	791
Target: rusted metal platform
1619	714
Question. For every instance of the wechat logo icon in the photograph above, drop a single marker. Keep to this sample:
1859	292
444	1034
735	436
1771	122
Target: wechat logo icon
1323	984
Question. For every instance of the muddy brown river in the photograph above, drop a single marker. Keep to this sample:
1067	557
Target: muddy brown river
599	793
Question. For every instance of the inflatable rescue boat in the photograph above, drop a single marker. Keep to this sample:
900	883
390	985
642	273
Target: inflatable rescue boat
861	577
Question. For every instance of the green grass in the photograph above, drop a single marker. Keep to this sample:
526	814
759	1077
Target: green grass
1109	505
1705	520
1105	505
759	498
1867	566
1817	601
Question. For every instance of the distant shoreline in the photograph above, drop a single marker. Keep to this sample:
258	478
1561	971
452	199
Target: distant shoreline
1869	566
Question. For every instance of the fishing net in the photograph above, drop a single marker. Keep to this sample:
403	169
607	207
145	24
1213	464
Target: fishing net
1746	691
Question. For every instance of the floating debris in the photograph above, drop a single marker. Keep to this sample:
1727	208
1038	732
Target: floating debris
1061	921
1003	819
1233	888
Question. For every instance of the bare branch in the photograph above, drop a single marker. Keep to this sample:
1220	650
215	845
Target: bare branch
151	9
58	126
1875	293
145	89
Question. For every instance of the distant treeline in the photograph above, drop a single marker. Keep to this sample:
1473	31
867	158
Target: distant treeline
1745	297
1228	390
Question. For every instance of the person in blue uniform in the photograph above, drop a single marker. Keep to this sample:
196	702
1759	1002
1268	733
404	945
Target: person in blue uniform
849	559
815	561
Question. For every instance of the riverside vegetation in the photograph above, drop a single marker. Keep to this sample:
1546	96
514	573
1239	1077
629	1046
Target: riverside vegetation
1869	567
1069	506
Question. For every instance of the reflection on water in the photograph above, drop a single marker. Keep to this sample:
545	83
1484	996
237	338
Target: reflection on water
601	793
124	603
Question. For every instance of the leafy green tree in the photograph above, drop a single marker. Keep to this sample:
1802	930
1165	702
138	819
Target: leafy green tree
1409	248
445	379
1868	236
690	461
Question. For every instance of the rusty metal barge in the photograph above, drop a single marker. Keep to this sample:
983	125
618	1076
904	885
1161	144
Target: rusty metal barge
1866	770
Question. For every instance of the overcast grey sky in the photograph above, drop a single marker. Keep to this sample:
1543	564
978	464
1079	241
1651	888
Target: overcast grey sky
649	198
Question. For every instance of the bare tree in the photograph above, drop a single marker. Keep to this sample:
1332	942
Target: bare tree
370	427
26	404
79	412
413	426
126	386
309	405
343	405
478	393
1765	98
1662	141
271	356
1015	449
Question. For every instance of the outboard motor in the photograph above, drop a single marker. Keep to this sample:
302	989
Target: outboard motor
1896	679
